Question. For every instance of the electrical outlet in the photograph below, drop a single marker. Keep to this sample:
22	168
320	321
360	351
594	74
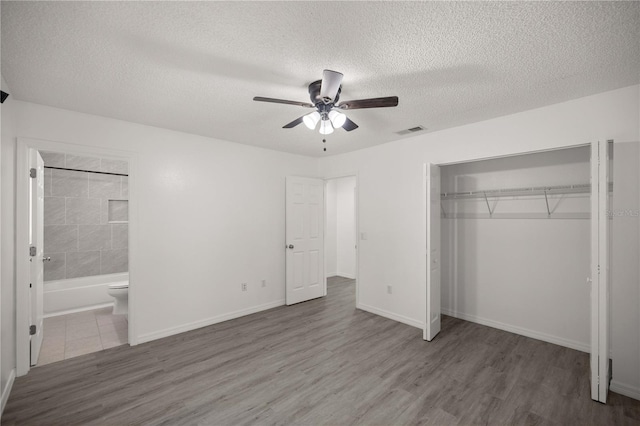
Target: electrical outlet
243	286
389	289
264	283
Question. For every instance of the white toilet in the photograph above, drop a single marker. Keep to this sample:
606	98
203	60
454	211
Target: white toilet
120	292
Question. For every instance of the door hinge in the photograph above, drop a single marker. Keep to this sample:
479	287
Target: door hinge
32	251
33	173
32	330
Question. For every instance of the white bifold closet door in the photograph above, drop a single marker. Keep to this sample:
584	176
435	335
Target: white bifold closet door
432	320
600	174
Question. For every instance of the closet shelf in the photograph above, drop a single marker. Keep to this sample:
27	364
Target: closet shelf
521	192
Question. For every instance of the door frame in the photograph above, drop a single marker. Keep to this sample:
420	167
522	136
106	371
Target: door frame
601	301
357	226
23	146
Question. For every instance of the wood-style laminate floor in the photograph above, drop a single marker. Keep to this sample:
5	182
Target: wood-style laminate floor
320	362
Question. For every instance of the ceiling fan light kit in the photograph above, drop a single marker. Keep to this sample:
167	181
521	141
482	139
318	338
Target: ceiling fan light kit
337	118
324	95
325	127
311	120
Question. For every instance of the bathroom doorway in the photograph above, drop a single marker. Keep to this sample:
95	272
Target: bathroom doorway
341	253
84	259
85	255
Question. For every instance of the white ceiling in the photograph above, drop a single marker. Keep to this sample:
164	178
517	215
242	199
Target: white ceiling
195	67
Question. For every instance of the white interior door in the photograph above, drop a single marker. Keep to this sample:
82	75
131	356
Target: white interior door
600	271
36	244
304	239
432	322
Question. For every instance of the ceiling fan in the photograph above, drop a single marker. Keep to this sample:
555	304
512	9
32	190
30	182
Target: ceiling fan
324	96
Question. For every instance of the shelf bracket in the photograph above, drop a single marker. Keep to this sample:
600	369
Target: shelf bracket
488	206
444	214
546	199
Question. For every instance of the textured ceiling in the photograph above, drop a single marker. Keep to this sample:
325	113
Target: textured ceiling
195	67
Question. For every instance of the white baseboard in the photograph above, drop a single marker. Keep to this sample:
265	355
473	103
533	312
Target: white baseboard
206	322
7	389
519	330
391	315
625	389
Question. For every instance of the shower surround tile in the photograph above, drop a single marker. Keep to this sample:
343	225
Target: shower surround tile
118	211
114	261
125	187
119	236
83	211
114	166
76	216
83	264
104	186
47	182
65	183
52	159
54	211
82	163
55	269
94	237
60	238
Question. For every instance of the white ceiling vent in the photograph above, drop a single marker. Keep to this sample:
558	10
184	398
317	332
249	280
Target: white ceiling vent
412	130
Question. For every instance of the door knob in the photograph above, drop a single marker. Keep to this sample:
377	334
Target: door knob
46	259
290	246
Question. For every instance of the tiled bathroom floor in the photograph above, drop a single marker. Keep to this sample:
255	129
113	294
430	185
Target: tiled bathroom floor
72	335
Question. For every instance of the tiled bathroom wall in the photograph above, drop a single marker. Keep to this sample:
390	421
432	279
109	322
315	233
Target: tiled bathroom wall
85	217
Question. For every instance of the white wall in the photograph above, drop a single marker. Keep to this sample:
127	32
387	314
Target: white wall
513	271
7	270
340	239
330	240
346	227
210	216
391	193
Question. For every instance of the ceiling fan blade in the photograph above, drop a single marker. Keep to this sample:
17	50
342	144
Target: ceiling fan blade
294	123
331	81
283	101
349	125
389	101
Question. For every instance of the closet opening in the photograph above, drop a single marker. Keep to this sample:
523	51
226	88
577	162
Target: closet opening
517	243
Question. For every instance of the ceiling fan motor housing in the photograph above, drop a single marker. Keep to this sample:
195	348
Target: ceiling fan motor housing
314	95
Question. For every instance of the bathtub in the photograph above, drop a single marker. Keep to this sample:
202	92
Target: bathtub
79	294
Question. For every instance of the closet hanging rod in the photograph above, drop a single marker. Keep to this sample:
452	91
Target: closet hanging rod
85	171
514	192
